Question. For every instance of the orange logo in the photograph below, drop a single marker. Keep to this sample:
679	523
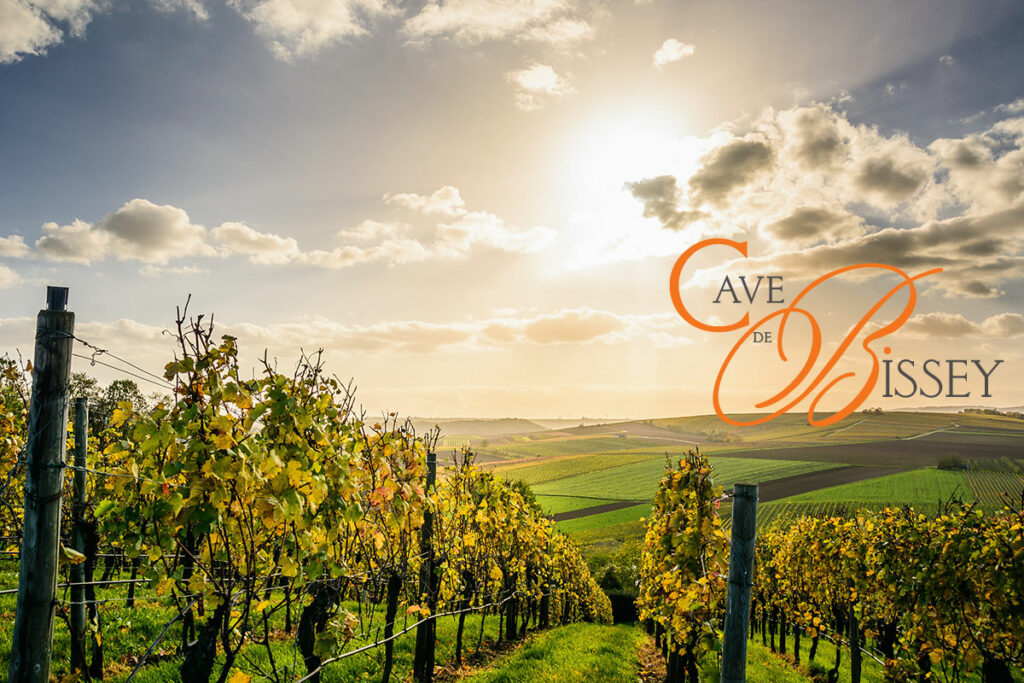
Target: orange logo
791	395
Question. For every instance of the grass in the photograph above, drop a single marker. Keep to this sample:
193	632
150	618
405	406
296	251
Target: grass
765	667
367	666
562	467
552	505
548	448
906	488
603	520
639	481
582	653
127	633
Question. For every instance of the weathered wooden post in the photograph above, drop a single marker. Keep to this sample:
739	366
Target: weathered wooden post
78	535
741	574
423	664
44	476
855	658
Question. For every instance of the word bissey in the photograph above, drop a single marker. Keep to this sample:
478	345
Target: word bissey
957	370
825	380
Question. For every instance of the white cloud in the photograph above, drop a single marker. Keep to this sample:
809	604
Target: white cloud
260	247
536	84
31	27
562	327
557	22
371	230
446	201
150	270
672	50
157	235
478	228
25	30
953	325
14	247
139	230
1015	107
299	28
8	277
947	60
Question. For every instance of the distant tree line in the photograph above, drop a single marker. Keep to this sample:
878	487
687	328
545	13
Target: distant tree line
103	400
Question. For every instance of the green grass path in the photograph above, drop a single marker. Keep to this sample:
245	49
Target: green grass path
574	653
593	653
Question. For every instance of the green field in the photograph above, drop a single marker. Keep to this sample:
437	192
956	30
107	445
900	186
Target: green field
639	481
570	465
548	448
906	488
603	520
552	505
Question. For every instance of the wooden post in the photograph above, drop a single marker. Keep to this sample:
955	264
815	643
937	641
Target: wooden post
855	659
44	477
741	574
423	664
78	536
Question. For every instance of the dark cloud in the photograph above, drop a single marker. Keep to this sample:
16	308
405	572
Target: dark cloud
984	247
812	224
889	178
976	289
660	198
817	142
730	166
961	154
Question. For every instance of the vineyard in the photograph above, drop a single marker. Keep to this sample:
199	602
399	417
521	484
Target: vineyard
260	529
916	596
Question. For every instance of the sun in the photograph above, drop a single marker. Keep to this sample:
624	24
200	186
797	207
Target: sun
613	148
606	152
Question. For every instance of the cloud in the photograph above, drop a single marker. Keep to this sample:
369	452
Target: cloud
891	178
479	228
13	247
672	51
556	22
728	167
1015	107
814	135
150	270
300	28
446	201
31	27
157	235
954	325
892	89
813	224
260	247
24	30
371	230
947	60
821	193
8	277
139	230
536	84
660	197
565	326
562	327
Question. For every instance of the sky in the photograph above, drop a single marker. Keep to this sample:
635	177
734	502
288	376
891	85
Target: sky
474	206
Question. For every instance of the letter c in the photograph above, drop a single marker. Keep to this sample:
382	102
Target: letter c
677	299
